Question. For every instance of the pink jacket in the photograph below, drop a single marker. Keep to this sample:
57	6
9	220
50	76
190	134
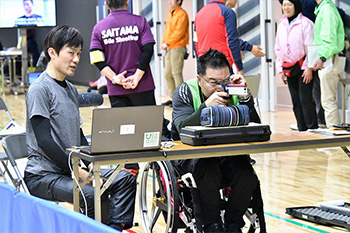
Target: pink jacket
291	42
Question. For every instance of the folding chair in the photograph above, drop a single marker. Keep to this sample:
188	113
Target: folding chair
4	160
3	107
3	157
253	83
15	147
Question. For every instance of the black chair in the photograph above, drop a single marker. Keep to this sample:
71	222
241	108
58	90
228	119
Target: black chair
253	83
15	147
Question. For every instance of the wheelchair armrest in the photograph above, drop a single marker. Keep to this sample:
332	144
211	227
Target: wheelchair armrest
189	180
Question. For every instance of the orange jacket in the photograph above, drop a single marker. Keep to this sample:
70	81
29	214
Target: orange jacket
176	29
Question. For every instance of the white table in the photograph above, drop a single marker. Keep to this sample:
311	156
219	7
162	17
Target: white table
12	55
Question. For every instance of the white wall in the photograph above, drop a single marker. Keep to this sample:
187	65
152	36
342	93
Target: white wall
190	64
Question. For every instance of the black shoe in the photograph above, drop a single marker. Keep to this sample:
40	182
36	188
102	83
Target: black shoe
214	228
233	229
117	226
168	103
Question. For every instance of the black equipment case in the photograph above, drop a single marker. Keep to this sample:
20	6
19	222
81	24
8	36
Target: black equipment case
198	135
325	215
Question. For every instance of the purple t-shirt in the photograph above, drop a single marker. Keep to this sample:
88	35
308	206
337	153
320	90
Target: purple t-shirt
121	36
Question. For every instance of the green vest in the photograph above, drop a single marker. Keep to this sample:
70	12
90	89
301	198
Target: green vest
193	84
329	29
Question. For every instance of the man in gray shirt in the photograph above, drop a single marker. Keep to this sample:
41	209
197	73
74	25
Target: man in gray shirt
53	124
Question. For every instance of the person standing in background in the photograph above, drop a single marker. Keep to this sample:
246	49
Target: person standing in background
174	43
100	85
122	47
294	34
309	12
330	36
32	46
309	9
216	28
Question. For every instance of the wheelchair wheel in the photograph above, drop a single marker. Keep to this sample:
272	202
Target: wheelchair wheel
161	200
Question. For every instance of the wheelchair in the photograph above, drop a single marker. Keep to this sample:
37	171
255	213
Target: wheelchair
170	201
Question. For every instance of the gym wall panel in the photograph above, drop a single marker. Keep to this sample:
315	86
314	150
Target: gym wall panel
248	18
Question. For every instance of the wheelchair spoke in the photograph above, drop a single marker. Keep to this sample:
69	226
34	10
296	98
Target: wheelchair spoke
154	192
154	219
153	208
160	202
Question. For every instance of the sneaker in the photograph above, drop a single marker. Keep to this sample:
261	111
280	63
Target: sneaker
293	127
92	84
168	103
322	126
214	228
252	161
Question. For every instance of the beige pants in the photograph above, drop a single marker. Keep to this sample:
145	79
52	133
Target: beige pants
329	79
174	63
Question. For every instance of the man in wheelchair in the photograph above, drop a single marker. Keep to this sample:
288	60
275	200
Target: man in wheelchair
212	174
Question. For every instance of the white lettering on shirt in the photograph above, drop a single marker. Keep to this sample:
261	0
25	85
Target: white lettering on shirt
126	39
120	34
111	32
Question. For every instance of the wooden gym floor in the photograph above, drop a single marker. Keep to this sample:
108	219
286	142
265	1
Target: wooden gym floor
288	179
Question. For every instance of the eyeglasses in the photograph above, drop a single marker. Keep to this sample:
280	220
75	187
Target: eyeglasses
214	82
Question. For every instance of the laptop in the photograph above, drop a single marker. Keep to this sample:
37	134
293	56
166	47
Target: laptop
125	129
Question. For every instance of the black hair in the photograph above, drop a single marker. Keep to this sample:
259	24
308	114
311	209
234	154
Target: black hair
116	4
211	59
28	0
60	36
297	6
180	2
